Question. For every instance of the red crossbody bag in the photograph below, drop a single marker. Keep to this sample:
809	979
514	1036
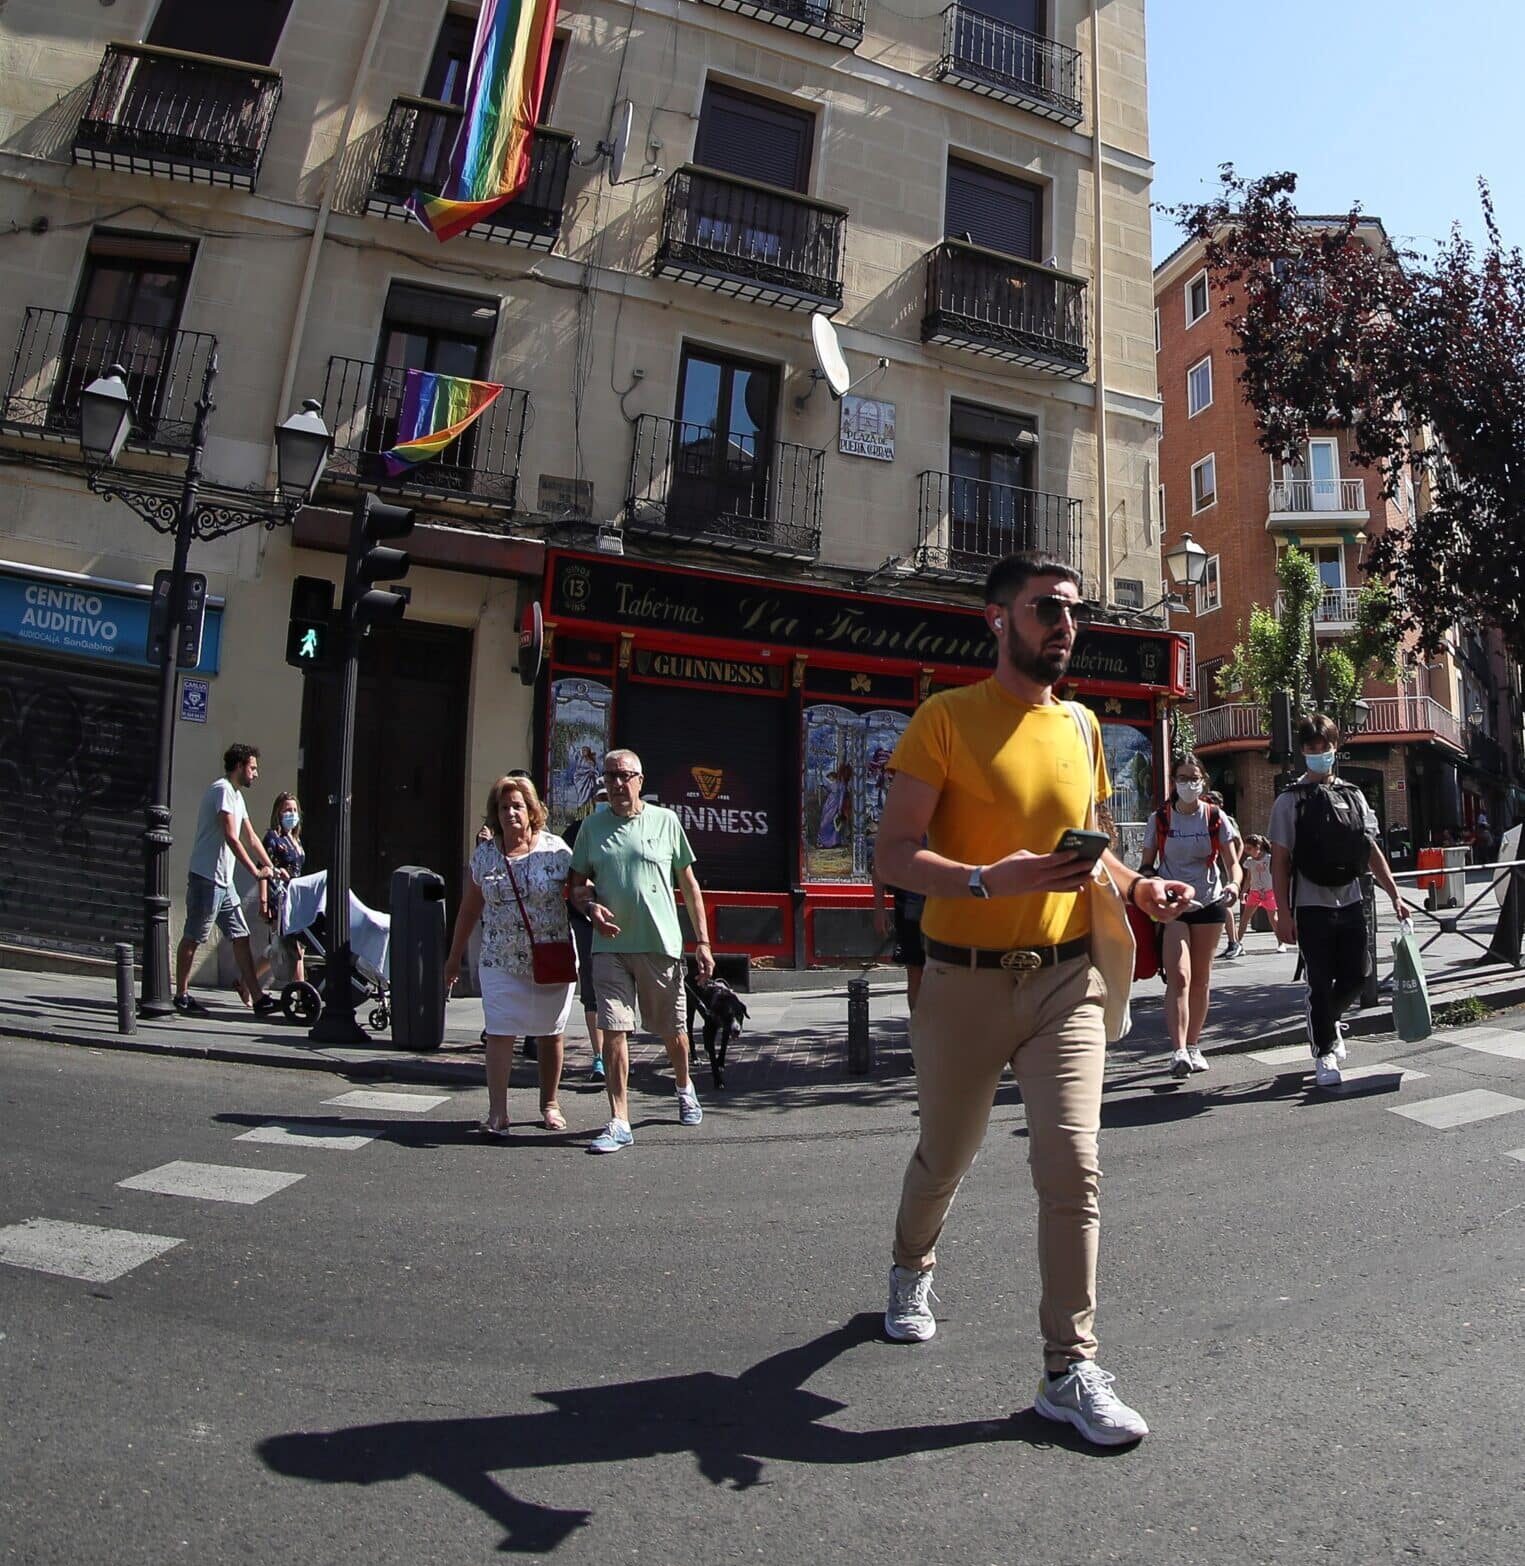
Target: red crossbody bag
551	962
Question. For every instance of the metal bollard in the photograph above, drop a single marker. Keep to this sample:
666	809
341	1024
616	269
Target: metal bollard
126	1011
1369	904
860	1046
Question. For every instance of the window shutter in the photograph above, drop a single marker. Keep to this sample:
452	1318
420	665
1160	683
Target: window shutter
994	211
754	139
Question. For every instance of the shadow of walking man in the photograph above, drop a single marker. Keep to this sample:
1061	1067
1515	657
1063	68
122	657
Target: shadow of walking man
732	1425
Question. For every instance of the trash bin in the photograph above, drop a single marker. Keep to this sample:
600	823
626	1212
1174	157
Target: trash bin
1454	893
418	958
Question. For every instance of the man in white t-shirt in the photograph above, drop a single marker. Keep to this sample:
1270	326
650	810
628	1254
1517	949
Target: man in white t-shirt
224	838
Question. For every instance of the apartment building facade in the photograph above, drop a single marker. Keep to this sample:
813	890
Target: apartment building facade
1435	749
748	581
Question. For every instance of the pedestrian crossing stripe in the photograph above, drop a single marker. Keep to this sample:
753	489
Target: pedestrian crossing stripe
211	1182
79	1250
1459	1109
400	1103
292	1134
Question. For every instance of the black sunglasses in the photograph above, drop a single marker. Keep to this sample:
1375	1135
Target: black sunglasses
1052	607
621	777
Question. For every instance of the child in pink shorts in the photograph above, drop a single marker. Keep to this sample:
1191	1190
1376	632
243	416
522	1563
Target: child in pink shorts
1259	891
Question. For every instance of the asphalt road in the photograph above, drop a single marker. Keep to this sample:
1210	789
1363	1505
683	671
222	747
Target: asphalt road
430	1349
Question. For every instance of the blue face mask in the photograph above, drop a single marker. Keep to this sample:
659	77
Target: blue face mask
289	819
1320	763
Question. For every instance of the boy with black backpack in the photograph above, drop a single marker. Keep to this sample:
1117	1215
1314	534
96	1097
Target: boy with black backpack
1323	840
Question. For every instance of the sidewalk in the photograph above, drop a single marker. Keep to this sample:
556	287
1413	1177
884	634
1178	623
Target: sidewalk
793	1037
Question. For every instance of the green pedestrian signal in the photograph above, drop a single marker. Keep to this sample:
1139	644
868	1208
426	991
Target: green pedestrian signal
310	633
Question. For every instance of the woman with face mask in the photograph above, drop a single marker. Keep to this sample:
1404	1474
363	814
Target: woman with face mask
1190	841
283	843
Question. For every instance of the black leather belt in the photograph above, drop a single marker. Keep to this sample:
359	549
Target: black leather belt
1022	960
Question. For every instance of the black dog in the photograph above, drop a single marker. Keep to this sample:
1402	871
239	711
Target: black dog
723	1013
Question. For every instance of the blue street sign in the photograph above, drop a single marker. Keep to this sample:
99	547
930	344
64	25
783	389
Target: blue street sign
194	695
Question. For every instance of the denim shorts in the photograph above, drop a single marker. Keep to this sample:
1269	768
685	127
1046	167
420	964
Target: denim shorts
207	904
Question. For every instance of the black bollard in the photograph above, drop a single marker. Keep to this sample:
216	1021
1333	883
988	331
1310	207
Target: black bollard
860	1046
126	1012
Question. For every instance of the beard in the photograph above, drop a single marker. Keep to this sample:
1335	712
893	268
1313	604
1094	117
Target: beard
1045	664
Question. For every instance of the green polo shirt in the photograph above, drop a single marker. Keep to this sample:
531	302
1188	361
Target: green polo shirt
632	862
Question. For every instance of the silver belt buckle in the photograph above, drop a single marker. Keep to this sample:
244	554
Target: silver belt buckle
1021	962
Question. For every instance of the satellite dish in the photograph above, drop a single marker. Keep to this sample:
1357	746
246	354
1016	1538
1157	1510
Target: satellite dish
625	119
828	354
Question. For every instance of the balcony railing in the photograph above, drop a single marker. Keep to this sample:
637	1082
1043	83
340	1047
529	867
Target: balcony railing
1336	606
964	525
1005	308
992	57
1309	496
835	21
416	143
178	115
361	403
735	236
1385	715
58	354
694	483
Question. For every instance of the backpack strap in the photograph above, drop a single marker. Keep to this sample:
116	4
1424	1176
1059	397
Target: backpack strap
1082	719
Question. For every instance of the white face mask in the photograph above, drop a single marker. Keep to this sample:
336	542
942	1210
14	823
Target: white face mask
1190	793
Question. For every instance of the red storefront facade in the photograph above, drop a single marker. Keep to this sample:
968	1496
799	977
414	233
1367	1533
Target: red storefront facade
765	713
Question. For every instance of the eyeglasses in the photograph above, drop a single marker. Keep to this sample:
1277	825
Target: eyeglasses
621	777
1052	607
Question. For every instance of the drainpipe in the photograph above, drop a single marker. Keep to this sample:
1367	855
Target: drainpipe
1098	314
320	228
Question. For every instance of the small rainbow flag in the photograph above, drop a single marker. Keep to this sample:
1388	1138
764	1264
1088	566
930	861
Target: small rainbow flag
436	409
491	158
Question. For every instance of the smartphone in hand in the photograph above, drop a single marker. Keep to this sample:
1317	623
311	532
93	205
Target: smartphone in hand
1088	845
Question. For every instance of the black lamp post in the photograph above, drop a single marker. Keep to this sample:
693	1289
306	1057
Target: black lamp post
201	511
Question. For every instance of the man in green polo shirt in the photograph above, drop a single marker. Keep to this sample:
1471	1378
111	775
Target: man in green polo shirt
631	853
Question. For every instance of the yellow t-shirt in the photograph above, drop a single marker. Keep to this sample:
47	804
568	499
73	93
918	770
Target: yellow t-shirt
1008	776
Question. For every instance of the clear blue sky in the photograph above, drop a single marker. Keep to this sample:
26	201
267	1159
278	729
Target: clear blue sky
1397	104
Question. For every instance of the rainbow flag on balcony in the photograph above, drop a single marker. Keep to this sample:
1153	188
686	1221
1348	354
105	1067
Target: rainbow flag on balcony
436	409
491	158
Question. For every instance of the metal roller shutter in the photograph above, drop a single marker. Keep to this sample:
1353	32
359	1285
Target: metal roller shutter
754	138
76	769
1000	213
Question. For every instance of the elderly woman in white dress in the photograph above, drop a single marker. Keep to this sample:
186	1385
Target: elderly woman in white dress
518	891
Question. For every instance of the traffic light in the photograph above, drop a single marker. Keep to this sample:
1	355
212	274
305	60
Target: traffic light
1281	725
370	561
193	613
310	633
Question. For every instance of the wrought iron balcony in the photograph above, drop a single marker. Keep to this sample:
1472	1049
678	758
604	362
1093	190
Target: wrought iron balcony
735	236
692	483
992	57
963	525
58	354
834	21
1302	501
416	143
361	404
178	115
1336	608
1412	716
1005	308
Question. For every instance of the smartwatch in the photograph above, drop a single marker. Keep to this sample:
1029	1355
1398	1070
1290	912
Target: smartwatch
977	887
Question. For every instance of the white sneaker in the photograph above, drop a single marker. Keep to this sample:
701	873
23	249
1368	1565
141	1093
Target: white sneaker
908	1317
1281	946
1326	1071
1083	1397
1180	1064
1195	1058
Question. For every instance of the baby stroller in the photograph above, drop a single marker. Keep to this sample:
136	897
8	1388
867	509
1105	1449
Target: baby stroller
302	915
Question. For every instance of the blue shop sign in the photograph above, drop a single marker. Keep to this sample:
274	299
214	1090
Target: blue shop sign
73	615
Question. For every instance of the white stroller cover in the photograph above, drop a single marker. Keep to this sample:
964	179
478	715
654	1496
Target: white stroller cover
370	933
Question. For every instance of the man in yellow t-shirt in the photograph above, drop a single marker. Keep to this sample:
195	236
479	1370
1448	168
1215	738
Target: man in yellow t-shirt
990	777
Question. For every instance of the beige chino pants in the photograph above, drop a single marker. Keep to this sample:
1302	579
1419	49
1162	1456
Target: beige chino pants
967	1026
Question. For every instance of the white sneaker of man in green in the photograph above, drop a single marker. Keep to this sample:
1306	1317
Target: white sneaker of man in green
908	1317
1083	1397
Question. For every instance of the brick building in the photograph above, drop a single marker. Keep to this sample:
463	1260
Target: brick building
1439	745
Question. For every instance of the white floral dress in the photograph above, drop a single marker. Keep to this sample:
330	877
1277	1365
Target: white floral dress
513	1004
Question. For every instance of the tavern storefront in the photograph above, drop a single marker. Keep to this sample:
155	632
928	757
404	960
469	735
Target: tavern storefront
766	714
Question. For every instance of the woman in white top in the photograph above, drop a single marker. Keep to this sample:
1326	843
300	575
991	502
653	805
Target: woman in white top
520	863
1194	846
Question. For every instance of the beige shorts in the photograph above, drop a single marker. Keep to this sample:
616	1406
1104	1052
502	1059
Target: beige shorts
620	979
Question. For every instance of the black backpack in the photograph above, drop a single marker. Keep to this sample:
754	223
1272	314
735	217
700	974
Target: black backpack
1331	846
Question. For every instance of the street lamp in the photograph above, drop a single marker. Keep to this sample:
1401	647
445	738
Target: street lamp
1187	562
105	417
201	511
